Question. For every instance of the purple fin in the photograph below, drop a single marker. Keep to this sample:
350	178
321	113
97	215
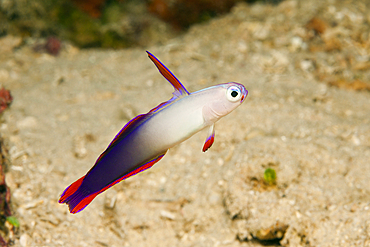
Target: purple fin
78	198
75	197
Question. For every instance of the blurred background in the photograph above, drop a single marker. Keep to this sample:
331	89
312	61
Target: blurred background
47	25
108	23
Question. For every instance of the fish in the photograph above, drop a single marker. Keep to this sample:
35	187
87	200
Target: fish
145	139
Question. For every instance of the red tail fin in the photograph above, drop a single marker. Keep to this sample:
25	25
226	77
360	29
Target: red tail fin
75	198
78	198
70	190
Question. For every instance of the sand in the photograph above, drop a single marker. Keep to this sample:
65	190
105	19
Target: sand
316	137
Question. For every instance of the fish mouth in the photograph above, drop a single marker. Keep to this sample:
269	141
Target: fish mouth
243	90
244	94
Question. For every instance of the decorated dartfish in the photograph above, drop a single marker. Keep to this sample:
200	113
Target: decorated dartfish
145	139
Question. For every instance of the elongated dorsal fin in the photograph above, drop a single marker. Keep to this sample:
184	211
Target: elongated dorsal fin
180	90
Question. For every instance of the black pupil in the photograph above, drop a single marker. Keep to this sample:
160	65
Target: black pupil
234	94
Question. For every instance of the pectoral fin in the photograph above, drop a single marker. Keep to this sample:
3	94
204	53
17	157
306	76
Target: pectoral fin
210	139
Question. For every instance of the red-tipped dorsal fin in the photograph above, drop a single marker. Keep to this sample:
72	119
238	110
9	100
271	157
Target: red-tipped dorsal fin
180	90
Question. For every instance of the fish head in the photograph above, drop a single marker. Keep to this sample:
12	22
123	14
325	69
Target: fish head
225	98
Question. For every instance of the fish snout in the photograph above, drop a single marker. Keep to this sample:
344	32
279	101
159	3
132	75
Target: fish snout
244	94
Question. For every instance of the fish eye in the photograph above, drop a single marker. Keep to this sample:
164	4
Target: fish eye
233	94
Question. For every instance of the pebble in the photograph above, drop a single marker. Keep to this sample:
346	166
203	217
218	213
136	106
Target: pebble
24	240
307	65
167	215
296	43
79	146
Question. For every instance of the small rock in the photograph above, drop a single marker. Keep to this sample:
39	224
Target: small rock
307	65
24	240
110	200
317	24
296	43
79	146
274	232
167	215
32	204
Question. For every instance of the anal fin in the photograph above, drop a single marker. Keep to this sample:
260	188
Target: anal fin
139	169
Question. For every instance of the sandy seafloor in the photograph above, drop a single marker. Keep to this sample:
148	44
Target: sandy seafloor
67	109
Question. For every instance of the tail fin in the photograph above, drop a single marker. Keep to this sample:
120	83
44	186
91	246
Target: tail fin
76	198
